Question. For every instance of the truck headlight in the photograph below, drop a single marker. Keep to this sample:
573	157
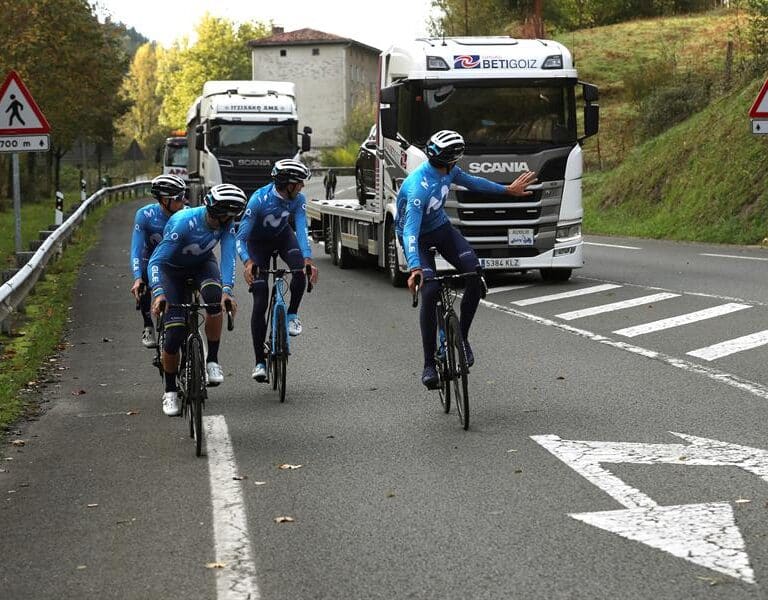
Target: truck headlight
553	62
436	63
568	231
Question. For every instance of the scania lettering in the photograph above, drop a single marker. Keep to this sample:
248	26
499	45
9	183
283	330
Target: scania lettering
515	103
237	130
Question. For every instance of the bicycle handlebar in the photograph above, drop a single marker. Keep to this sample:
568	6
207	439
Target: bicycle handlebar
440	278
307	270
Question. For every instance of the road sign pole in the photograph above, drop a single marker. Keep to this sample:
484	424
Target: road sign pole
17	199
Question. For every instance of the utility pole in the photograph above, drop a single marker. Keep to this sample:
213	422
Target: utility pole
538	21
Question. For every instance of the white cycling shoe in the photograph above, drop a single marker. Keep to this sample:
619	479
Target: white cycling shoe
171	404
148	337
215	374
294	325
260	373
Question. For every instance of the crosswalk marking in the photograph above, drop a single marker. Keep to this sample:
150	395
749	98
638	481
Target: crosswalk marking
572	294
739	344
508	288
735	256
612	246
604	308
700	315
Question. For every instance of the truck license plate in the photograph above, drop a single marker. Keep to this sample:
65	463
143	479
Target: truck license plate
520	237
499	263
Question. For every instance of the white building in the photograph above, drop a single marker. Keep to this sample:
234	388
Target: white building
331	74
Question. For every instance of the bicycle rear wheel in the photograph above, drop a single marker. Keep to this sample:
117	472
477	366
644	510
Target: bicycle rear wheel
281	351
441	362
459	371
195	390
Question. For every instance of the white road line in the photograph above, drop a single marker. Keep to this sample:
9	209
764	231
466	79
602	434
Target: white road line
572	294
604	308
734	381
699	315
237	580
508	288
612	246
733	346
734	256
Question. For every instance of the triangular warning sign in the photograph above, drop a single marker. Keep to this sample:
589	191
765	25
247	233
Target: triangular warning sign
19	113
760	105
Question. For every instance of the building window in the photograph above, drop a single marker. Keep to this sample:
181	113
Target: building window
283	52
315	51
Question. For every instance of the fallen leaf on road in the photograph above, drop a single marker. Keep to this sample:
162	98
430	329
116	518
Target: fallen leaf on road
81	567
103	384
132	413
240	477
106	339
743	501
390	494
560	377
92	505
711	580
511	450
287	467
518	471
283	519
215	565
682	458
78	392
259	483
18	443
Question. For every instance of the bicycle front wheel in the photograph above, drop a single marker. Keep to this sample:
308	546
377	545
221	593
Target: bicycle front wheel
281	351
441	362
196	389
460	372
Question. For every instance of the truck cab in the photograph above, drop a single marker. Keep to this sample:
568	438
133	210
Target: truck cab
515	103
237	130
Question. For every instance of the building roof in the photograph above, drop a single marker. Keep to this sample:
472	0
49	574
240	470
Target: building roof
305	37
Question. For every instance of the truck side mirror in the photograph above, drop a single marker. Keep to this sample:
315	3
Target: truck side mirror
389	95
389	122
199	141
591	119
306	140
590	92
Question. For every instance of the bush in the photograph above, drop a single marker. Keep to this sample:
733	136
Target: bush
669	105
341	156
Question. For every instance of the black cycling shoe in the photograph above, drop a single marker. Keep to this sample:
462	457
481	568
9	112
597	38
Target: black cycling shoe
430	378
468	352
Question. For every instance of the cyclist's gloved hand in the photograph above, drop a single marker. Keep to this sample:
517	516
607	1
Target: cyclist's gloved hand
313	273
414	280
158	305
137	289
229	301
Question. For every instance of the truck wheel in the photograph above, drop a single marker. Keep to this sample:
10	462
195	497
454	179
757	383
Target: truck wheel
556	275
396	277
342	257
328	237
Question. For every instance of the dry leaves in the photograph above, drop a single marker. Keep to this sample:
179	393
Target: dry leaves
78	392
132	413
215	565
18	443
287	467
240	477
283	519
92	505
259	483
743	501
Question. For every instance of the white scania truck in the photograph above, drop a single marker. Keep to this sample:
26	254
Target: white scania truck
237	130
515	103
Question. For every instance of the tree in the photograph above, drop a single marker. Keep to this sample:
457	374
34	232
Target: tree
139	88
220	52
72	64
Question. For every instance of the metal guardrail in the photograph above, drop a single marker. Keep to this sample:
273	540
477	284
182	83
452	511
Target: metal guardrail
15	290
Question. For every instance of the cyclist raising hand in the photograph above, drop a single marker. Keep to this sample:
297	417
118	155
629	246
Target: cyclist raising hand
187	252
422	223
265	229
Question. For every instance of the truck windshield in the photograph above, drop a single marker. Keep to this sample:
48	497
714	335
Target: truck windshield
176	156
494	116
249	139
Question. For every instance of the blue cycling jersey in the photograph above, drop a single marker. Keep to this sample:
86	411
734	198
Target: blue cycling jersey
188	242
148	228
266	216
421	201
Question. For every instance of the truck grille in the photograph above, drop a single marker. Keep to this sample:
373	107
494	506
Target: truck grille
248	179
510	213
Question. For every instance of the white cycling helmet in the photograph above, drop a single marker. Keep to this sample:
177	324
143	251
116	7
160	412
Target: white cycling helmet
290	171
168	186
225	200
444	148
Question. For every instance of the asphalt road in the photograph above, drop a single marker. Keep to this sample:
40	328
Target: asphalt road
569	484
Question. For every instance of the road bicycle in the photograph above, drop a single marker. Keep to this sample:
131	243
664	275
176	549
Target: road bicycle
277	344
450	353
191	371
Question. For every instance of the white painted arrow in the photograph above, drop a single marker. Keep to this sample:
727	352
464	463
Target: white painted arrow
705	534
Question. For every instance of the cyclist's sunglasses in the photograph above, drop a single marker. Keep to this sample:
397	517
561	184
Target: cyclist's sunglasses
178	197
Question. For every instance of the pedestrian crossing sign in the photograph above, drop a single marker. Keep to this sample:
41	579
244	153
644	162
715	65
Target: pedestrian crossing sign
19	113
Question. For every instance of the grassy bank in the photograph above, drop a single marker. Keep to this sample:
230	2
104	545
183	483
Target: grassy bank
702	180
46	319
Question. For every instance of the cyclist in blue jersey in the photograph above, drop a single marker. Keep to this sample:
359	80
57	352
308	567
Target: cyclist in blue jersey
422	223
148	225
264	230
187	252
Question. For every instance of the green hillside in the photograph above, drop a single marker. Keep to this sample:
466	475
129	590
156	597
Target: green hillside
704	180
618	56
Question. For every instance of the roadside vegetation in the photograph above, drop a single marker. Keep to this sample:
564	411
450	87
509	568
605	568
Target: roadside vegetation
25	356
